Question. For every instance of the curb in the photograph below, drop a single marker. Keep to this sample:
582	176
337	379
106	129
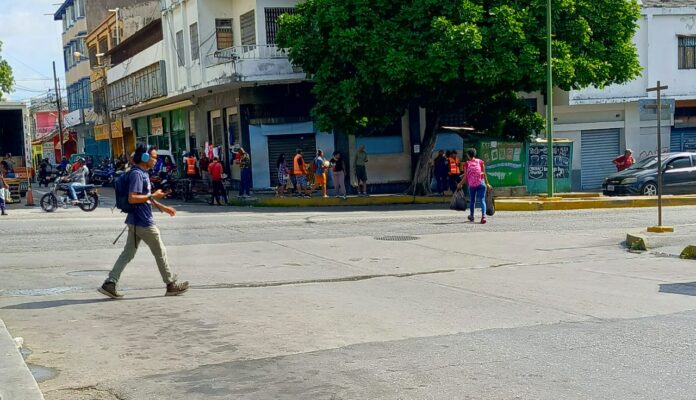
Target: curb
573	202
16	381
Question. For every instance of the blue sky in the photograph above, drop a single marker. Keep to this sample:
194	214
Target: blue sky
31	41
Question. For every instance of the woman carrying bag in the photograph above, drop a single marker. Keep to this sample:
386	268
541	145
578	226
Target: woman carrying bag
477	181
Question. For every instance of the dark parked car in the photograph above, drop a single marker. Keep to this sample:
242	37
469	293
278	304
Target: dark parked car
678	177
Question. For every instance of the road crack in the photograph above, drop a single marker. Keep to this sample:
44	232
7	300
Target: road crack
353	278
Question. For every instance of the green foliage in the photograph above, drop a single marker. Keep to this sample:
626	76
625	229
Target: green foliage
370	59
6	79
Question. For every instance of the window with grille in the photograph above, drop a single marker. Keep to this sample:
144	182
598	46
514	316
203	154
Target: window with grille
223	33
193	36
180	48
247	25
103	45
272	15
93	62
687	52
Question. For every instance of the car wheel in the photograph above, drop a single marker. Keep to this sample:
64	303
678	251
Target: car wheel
649	189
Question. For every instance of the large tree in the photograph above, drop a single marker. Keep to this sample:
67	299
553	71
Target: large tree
371	59
6	79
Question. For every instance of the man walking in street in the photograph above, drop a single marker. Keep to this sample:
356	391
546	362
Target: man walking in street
624	161
359	161
215	172
141	225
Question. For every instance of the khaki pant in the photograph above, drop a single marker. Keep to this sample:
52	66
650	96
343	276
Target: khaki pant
151	237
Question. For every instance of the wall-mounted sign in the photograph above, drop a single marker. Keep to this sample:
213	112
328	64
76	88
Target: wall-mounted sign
156	128
101	132
117	129
76	117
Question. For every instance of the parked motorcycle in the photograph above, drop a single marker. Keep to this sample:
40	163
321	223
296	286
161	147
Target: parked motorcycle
104	175
87	197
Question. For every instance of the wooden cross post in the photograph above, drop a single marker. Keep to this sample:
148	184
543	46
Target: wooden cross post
659	228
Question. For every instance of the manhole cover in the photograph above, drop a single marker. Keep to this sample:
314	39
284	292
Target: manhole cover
89	272
396	238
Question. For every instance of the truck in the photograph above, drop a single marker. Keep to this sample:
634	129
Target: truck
15	146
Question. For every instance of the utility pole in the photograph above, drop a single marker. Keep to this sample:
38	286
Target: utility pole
659	228
59	103
549	103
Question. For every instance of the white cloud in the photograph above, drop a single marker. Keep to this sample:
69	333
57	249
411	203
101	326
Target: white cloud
31	41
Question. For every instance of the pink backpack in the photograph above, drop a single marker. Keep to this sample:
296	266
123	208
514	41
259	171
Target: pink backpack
474	173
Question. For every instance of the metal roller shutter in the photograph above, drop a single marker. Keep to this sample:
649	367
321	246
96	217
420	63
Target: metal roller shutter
683	140
598	149
289	144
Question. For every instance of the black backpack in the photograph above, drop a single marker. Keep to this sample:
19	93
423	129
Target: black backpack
121	188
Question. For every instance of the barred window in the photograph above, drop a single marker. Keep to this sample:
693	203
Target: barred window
180	48
272	15
223	33
247	25
687	52
193	36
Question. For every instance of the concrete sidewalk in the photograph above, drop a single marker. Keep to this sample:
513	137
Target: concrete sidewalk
565	201
16	381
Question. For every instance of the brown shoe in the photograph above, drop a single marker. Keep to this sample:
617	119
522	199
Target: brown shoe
109	289
176	288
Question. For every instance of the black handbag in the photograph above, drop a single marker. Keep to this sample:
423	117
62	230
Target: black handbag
458	202
490	202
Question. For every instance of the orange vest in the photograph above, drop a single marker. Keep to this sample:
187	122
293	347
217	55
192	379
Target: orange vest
190	166
453	166
297	169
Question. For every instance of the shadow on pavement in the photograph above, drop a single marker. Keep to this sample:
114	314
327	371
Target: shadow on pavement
685	288
39	305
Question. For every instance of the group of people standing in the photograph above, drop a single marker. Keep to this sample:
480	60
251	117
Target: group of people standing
304	177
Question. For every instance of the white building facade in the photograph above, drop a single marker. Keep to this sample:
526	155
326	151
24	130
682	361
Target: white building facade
604	122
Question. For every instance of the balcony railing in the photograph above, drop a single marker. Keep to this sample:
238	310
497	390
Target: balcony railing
255	52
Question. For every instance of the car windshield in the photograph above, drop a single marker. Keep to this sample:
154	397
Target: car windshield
646	163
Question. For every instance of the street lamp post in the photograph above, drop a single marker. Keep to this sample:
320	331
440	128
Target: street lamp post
549	103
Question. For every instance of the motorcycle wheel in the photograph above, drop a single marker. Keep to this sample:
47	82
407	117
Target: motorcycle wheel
49	202
92	204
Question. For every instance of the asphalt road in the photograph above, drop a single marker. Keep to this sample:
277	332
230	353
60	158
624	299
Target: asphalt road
365	303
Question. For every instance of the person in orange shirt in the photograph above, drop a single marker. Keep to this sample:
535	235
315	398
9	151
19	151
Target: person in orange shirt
454	170
300	171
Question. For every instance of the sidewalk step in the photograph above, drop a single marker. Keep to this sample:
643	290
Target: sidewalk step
16	381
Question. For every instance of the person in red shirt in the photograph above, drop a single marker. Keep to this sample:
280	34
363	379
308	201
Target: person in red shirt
215	171
624	161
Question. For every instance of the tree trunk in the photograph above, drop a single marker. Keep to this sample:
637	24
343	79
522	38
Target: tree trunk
420	185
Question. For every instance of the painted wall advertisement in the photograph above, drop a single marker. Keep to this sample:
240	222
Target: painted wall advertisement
505	162
156	127
538	167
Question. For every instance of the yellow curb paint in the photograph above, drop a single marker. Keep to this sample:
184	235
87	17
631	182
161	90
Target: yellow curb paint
660	229
502	204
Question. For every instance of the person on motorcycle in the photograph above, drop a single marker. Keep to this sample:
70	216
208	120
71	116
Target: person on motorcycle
77	179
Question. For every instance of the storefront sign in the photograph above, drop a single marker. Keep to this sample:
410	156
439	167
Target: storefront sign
117	129
48	151
76	117
101	132
156	128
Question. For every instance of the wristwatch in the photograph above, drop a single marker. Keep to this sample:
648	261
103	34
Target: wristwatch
150	197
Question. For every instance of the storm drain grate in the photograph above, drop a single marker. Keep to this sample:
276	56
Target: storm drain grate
397	238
